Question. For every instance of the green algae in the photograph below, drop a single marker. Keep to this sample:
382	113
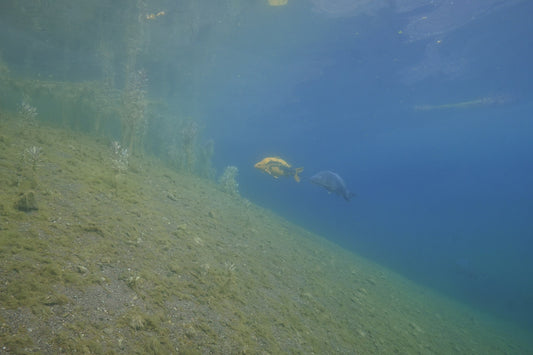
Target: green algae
159	262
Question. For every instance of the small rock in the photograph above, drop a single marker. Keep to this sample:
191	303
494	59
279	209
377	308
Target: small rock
371	281
181	230
172	197
26	202
82	269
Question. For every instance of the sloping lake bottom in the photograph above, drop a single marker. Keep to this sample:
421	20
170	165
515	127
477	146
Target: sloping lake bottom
95	259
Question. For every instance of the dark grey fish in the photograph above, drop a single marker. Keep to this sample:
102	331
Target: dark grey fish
333	183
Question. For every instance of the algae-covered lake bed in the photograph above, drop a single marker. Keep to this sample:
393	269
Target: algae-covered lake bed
149	260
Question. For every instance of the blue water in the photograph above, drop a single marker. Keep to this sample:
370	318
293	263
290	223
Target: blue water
445	195
425	108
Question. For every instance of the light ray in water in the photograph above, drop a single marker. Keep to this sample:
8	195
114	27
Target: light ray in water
484	101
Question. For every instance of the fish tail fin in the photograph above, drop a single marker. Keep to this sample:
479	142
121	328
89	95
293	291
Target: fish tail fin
349	196
296	172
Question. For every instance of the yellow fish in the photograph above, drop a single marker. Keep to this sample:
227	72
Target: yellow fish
277	2
153	16
278	167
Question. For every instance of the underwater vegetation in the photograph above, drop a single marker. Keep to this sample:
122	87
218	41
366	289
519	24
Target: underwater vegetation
121	115
205	157
88	106
228	180
189	135
103	85
185	153
32	156
27	112
119	157
133	116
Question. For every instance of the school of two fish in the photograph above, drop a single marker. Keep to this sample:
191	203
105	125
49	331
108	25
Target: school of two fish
329	180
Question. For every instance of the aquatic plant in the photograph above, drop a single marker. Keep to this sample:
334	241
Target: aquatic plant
86	106
27	112
205	154
32	156
228	182
4	69
31	159
230	266
133	118
119	157
189	134
182	153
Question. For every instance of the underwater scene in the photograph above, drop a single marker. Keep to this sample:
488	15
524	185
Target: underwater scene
266	177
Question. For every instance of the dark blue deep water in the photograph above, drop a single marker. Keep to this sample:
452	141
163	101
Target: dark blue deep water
425	108
444	187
